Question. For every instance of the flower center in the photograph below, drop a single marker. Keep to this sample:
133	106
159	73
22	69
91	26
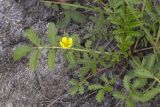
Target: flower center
66	43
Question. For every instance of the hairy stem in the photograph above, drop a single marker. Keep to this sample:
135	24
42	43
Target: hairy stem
75	49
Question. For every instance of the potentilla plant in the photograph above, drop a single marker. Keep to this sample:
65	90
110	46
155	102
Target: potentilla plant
90	62
131	24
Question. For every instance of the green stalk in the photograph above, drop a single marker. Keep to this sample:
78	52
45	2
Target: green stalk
75	5
75	49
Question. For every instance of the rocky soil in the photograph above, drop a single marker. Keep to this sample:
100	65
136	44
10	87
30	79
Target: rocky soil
19	86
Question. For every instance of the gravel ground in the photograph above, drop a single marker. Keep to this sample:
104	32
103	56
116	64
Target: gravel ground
19	86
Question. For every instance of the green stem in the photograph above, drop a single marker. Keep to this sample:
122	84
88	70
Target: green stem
154	82
157	79
75	49
75	5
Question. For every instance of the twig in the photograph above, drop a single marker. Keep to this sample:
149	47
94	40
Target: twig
154	82
144	49
124	68
54	101
135	45
90	94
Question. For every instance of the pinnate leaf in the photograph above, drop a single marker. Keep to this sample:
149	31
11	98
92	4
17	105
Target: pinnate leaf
141	72
74	82
32	36
51	59
126	82
150	94
149	61
118	95
100	95
81	90
78	17
73	90
138	83
95	87
21	52
52	32
34	59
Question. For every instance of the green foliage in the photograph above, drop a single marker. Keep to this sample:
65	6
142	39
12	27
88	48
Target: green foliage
34	59
142	73
101	89
77	86
51	59
150	94
104	79
71	59
21	51
95	87
149	61
118	95
88	65
71	13
78	17
32	36
139	83
136	96
99	30
100	95
51	5
133	31
124	43
126	83
127	25
88	44
130	103
74	90
52	33
115	3
65	21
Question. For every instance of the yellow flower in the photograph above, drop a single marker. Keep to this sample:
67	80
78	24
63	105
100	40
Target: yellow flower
66	42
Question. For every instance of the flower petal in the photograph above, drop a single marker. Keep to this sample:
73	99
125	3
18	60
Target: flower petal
62	44
64	39
70	41
66	42
69	45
